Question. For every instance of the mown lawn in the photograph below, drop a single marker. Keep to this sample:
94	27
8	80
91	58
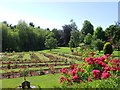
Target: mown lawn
59	49
44	81
67	50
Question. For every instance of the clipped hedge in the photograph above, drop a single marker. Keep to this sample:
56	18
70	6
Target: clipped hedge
107	48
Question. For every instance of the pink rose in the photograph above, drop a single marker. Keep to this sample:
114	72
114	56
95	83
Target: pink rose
64	70
96	73
81	70
75	78
73	72
105	75
89	79
62	79
92	53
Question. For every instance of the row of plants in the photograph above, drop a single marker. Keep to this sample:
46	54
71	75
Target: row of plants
28	62
33	65
24	71
95	72
73	57
56	58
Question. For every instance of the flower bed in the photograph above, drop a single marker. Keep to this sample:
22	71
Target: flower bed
92	69
10	68
36	72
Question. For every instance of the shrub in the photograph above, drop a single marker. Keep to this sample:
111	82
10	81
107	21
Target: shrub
99	44
107	48
41	72
88	39
95	72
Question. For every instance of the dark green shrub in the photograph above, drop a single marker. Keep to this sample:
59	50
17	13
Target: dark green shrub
99	44
107	48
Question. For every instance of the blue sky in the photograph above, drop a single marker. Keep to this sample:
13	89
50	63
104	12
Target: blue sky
56	14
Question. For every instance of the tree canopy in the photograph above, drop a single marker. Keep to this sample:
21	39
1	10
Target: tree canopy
28	37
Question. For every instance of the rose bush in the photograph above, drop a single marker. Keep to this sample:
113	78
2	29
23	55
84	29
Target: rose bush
92	68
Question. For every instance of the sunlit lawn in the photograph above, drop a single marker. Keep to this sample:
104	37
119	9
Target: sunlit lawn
67	50
44	81
59	49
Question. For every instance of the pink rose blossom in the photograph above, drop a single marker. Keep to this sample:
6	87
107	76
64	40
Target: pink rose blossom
73	72
96	73
75	78
64	70
81	70
105	75
89	79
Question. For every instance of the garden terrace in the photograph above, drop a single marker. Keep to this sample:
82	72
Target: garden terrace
30	65
33	61
16	73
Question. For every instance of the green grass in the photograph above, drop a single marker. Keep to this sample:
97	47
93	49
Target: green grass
59	49
42	57
5	58
69	59
66	50
117	54
26	56
44	81
13	56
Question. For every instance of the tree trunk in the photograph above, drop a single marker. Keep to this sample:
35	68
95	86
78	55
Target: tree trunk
99	51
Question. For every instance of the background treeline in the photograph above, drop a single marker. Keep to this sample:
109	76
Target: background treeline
27	37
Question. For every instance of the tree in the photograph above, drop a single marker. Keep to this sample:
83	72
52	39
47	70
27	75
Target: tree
81	37
99	45
32	39
57	35
87	39
99	33
48	29
31	24
87	28
13	41
93	41
109	32
74	38
71	42
4	31
112	33
73	25
61	39
50	43
40	36
67	29
74	34
116	37
5	22
23	35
